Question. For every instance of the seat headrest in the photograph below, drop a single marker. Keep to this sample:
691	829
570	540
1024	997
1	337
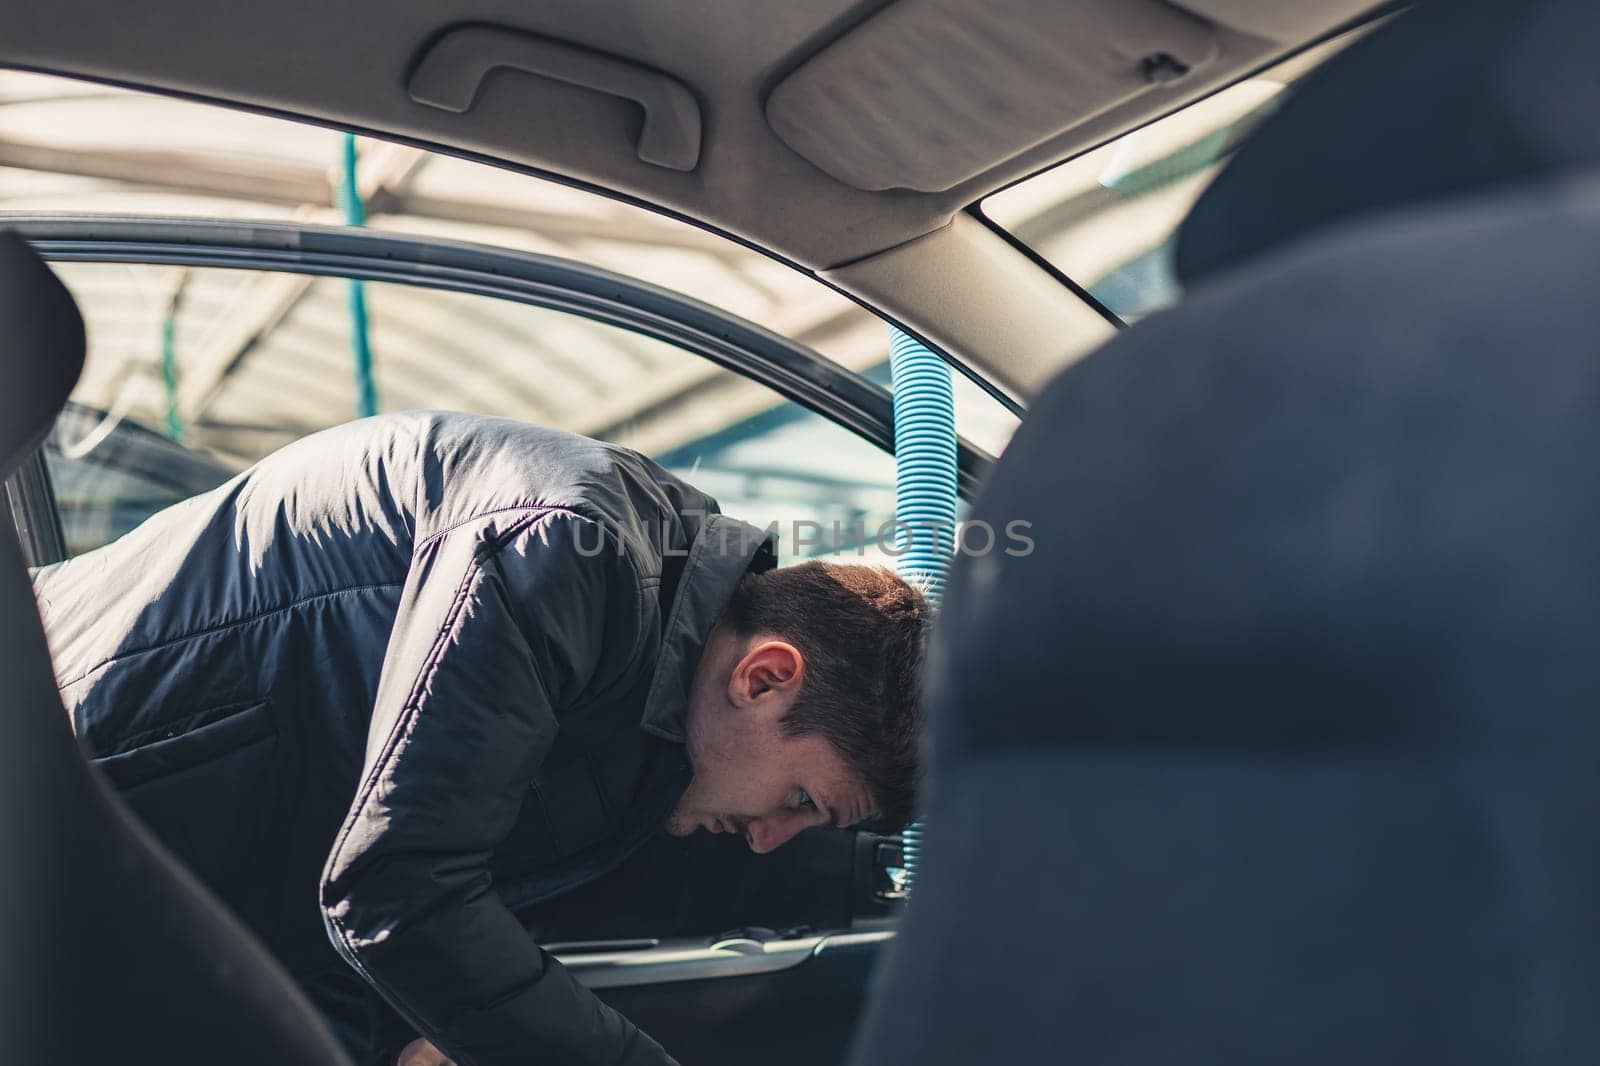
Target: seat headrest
42	345
1278	744
1451	98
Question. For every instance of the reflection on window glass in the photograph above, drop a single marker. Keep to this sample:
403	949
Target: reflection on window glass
1107	218
193	374
980	418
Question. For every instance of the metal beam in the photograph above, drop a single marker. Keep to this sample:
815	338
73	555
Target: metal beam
628	229
383	171
258	308
714	403
237	328
265	182
807	327
292	185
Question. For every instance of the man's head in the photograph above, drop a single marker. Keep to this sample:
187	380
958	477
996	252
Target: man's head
803	709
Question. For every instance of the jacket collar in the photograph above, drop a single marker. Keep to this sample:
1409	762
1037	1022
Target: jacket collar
724	549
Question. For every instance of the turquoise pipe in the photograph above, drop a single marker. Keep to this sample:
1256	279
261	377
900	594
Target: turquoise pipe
924	487
169	356
355	214
169	370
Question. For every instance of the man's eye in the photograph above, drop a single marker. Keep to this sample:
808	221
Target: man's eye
806	802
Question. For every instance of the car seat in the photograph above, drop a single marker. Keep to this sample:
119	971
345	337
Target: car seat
1280	743
110	950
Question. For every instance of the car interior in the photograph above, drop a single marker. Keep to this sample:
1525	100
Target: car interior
1312	781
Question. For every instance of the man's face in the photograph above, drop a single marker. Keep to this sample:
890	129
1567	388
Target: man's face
750	778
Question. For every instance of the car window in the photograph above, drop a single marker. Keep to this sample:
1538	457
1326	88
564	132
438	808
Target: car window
1107	218
70	147
195	373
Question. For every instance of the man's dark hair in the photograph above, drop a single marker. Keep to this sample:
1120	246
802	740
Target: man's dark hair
862	630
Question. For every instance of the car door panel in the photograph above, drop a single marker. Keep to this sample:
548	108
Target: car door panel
799	1014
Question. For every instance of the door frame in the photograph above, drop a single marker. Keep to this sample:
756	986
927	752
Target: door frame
791	370
30	499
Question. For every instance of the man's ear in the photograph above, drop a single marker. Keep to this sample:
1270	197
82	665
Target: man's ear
770	672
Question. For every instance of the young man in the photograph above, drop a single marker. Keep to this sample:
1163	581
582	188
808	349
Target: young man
405	676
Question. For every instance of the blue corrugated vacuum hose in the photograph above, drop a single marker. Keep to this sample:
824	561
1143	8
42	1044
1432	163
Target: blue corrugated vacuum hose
925	486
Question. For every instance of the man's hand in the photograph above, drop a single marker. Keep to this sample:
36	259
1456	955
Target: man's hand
421	1053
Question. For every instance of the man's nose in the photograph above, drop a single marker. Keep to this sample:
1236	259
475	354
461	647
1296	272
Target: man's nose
765	834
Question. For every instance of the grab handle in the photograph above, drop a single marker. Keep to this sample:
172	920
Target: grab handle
453	69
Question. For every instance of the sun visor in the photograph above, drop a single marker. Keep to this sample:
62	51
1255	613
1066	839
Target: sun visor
929	93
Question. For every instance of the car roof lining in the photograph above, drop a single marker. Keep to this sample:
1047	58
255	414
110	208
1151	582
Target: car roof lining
731	58
747	182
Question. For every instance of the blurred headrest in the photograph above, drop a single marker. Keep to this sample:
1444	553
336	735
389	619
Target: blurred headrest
1454	97
41	349
1277	741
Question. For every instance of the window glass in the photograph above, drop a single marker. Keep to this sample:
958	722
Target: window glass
193	374
70	147
1107	218
980	418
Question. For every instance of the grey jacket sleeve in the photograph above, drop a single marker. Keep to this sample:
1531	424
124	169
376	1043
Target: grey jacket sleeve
502	622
